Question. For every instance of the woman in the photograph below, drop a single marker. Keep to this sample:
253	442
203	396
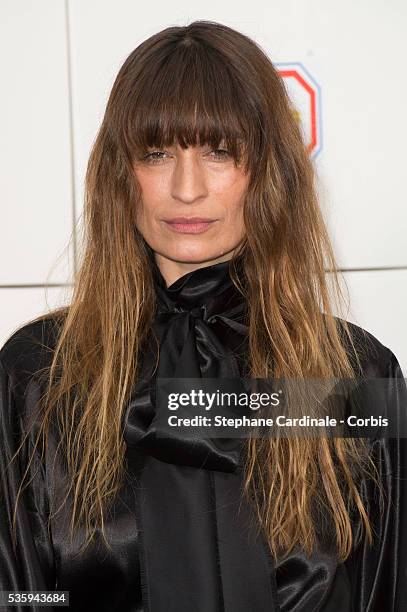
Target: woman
114	508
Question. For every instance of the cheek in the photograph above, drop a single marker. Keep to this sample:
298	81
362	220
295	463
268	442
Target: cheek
237	204
230	185
152	193
231	195
149	187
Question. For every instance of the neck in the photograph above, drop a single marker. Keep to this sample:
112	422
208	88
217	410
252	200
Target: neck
172	269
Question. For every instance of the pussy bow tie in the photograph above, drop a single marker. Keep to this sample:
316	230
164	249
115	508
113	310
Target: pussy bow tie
201	330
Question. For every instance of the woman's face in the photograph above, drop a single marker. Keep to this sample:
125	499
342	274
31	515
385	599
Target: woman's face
195	182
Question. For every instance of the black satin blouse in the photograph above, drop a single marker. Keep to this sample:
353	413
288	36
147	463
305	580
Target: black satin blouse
180	540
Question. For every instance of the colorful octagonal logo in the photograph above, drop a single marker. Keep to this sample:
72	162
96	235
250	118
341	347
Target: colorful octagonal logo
305	95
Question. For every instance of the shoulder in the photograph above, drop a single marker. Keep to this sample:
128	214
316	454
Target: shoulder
30	347
375	358
27	351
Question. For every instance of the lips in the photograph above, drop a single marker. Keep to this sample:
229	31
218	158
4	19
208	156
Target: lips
189	220
190	225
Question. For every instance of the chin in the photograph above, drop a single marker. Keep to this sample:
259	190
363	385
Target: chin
198	256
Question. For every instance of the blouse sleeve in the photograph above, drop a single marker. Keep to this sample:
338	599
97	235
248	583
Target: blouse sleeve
378	573
30	565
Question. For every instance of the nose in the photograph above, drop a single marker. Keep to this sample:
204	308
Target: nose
188	179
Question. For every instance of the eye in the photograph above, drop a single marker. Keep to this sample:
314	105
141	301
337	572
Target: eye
220	154
155	157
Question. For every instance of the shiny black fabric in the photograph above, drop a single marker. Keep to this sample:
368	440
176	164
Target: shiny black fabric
179	542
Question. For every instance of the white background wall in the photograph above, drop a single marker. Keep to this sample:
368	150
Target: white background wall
58	60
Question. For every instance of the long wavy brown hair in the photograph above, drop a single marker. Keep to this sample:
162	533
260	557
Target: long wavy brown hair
204	83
